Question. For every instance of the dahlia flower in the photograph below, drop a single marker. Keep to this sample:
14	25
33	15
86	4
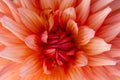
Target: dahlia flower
59	40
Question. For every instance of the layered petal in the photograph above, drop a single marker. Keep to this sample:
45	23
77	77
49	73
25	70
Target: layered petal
101	60
96	20
96	46
15	53
109	32
84	35
82	11
19	30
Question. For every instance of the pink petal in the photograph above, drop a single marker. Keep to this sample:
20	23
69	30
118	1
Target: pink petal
19	30
44	37
15	53
115	5
101	60
68	13
80	59
33	42
13	9
31	66
109	32
31	20
72	28
82	11
100	4
96	46
84	35
97	19
65	4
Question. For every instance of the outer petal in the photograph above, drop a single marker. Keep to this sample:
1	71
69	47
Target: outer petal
101	60
82	11
97	19
15	53
96	46
84	35
99	4
115	5
109	32
31	20
19	30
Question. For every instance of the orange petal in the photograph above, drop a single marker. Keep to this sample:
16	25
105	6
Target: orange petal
100	60
31	20
15	53
13	9
109	32
19	30
68	13
84	35
80	59
65	4
82	11
96	46
100	4
97	19
72	28
11	68
33	42
31	65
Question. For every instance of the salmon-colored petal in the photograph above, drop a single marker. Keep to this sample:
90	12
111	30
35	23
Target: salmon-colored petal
32	5
75	73
115	18
72	28
84	35
31	20
13	9
65	4
109	32
31	65
11	68
33	42
19	30
15	53
68	13
96	46
97	19
115	5
101	60
80	59
99	4
82	11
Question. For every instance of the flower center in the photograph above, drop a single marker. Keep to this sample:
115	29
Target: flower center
59	46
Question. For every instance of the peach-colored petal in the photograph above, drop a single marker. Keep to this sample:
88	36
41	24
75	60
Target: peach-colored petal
100	4
11	68
97	19
115	18
32	5
33	42
31	20
19	30
101	60
84	35
65	4
13	9
31	65
82	11
96	46
15	53
109	32
72	28
81	59
68	13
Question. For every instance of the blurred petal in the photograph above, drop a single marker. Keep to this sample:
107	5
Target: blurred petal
115	5
96	46
97	19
